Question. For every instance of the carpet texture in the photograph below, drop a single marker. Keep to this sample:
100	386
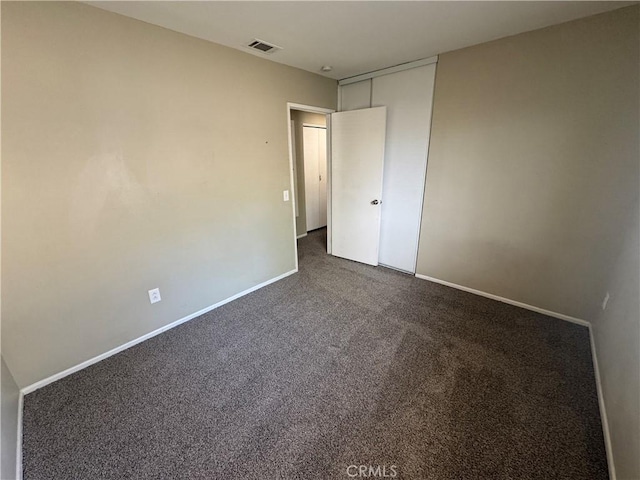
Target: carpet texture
339	366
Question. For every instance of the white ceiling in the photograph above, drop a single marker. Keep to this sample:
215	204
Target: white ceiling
354	37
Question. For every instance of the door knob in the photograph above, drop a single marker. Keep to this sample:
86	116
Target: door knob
374	202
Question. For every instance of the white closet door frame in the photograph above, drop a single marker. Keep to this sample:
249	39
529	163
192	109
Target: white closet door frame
387	71
327	112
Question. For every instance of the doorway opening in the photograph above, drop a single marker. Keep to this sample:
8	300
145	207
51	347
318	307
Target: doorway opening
310	167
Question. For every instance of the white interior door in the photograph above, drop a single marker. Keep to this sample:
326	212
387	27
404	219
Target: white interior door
357	162
315	173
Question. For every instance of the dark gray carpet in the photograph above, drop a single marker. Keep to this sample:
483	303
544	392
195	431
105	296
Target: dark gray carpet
341	364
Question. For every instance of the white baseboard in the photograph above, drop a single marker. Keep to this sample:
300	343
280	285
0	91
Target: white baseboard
19	437
603	410
69	371
102	356
300	236
549	313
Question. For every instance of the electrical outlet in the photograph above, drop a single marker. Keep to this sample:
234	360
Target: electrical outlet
154	295
285	195
605	301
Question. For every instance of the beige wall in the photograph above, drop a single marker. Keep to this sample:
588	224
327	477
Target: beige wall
616	332
533	163
133	157
299	119
532	188
9	423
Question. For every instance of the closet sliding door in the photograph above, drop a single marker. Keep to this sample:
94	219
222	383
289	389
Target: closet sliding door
408	96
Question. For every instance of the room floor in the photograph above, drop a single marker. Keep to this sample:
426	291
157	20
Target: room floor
339	365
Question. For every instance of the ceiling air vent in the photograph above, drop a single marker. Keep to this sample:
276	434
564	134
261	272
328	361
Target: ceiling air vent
263	46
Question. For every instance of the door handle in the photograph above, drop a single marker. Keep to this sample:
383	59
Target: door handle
374	202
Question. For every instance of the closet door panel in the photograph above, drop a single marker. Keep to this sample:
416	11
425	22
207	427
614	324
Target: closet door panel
322	175
408	96
355	96
311	184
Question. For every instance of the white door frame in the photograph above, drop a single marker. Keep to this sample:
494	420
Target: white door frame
323	111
